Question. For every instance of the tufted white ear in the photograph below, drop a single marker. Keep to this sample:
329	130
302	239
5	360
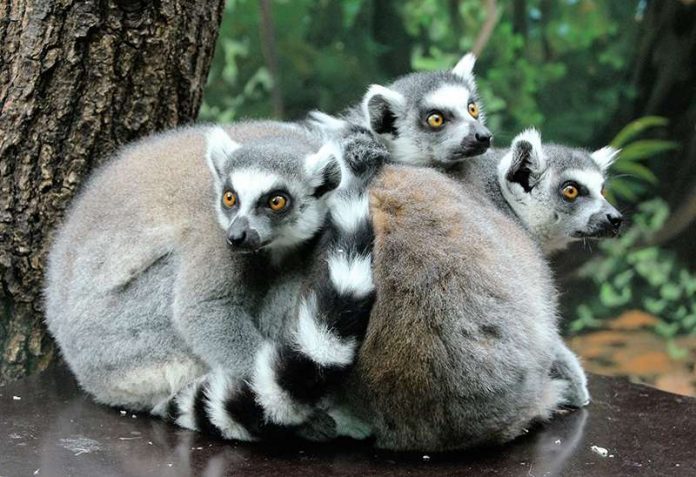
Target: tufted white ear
220	148
526	160
324	169
326	122
465	67
605	157
381	106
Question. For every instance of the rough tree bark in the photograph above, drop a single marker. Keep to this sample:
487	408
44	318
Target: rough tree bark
77	79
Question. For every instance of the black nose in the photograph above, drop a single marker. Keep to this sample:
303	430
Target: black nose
615	220
484	138
237	238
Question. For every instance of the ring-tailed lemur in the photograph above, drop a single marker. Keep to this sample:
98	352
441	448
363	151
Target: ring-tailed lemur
143	294
556	192
429	119
484	295
462	345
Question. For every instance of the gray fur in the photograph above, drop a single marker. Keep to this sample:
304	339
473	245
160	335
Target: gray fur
552	221
453	367
142	292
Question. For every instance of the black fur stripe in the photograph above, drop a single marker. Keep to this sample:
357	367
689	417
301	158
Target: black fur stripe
344	314
243	409
200	413
302	378
360	241
173	412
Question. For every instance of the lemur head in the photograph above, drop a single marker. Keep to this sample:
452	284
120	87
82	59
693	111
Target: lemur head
557	191
270	195
430	118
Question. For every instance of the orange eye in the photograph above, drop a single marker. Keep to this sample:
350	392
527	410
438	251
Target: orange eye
473	110
277	203
229	198
435	120
570	192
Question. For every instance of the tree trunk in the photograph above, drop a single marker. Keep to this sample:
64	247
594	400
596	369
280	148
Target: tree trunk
78	78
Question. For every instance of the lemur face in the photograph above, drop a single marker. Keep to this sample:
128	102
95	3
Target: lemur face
269	196
430	118
557	191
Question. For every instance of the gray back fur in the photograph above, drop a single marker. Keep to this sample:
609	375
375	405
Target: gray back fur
462	336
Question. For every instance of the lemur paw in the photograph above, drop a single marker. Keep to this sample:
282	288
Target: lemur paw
363	153
320	427
348	425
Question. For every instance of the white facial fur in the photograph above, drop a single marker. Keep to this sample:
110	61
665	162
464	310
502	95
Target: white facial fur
553	221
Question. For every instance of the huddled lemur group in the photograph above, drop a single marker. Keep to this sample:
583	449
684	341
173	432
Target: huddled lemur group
381	273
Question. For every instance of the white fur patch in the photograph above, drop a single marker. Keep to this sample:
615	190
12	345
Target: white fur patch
465	67
349	211
395	99
326	121
593	180
220	147
452	97
315	163
250	184
317	342
185	401
531	136
278	406
220	387
605	157
351	274
406	151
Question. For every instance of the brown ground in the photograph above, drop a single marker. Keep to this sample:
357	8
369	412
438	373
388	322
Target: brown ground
628	347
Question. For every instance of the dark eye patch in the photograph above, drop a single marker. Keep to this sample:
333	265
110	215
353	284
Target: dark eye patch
423	114
262	203
582	190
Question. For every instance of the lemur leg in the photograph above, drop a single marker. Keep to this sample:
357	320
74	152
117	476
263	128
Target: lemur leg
566	366
210	313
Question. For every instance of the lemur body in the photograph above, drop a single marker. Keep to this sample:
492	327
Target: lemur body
153	311
477	318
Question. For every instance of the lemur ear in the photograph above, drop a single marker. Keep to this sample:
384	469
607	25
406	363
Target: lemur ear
605	157
324	169
326	122
528	160
220	147
465	67
381	106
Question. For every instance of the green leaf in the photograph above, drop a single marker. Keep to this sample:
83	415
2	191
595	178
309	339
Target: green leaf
645	149
622	189
636	170
656	307
670	291
676	352
611	298
636	127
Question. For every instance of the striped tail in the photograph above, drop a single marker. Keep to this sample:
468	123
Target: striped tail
289	379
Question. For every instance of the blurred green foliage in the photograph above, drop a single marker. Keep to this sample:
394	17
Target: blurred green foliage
631	177
628	274
559	65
